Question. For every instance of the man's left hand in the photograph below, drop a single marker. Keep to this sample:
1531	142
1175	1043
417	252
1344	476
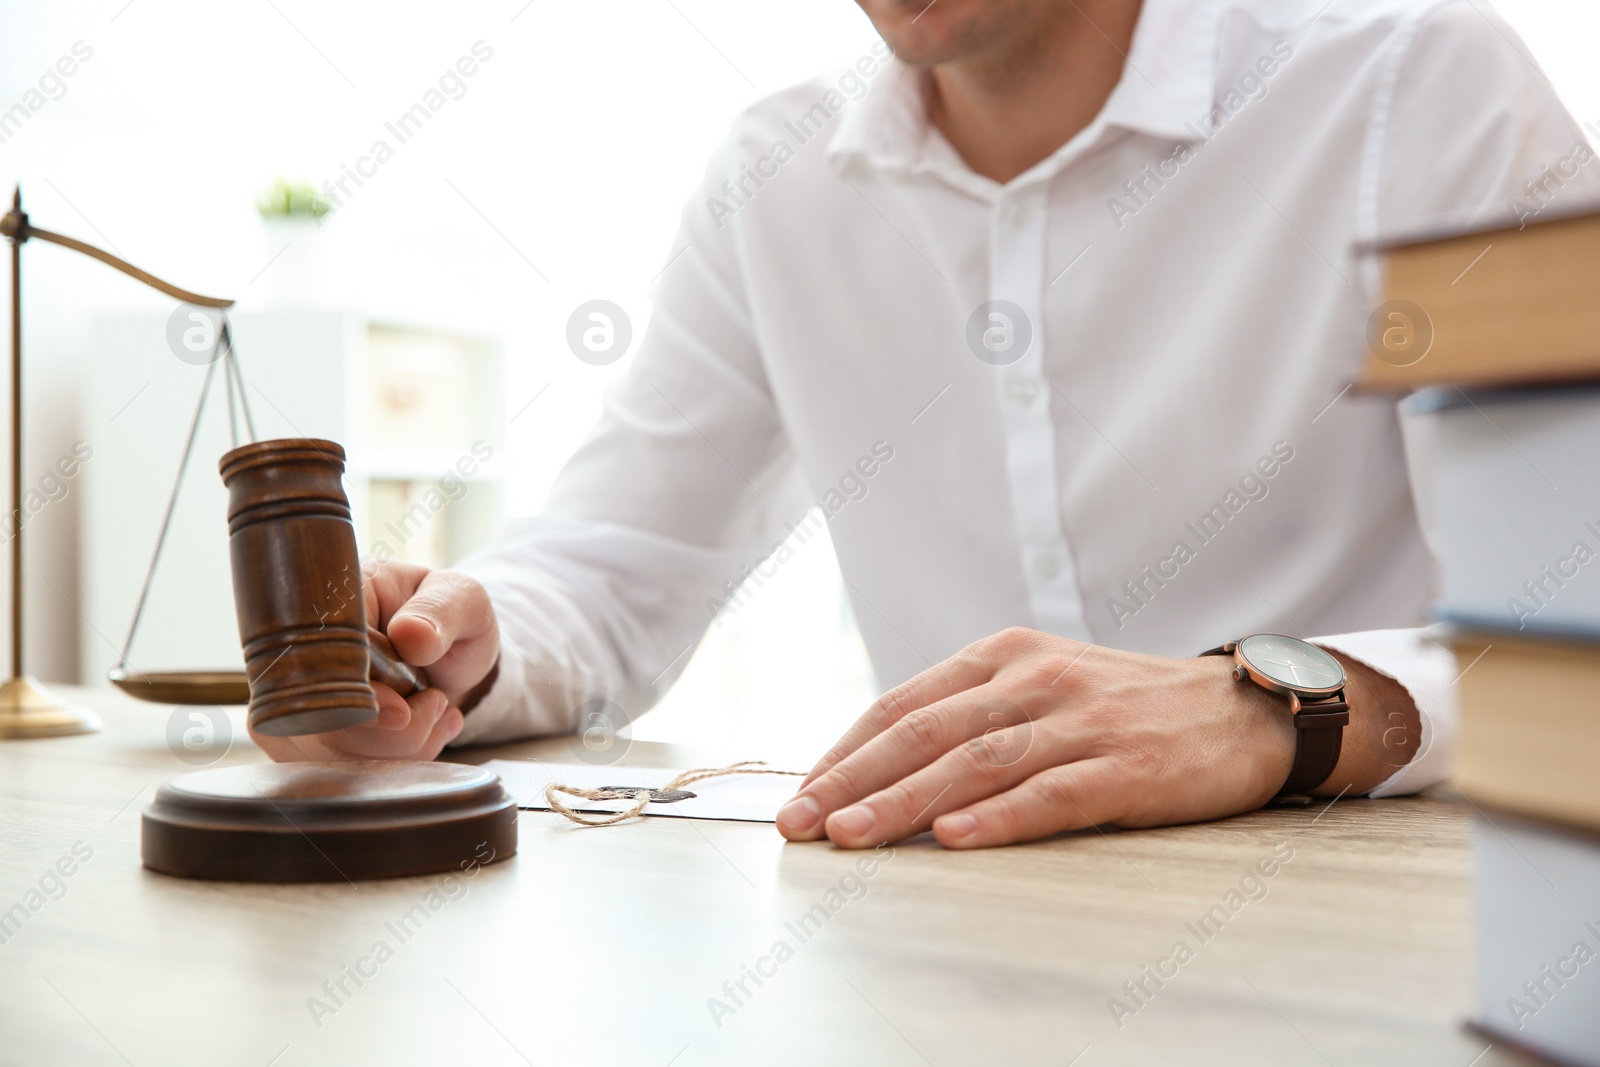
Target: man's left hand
1024	734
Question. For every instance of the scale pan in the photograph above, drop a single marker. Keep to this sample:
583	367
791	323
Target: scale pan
183	687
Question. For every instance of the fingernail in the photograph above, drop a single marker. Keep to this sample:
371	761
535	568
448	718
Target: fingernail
429	623
959	825
800	815
857	821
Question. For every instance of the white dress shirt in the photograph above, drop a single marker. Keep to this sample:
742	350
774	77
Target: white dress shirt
1152	446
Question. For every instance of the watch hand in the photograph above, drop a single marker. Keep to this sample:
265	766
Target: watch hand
1280	662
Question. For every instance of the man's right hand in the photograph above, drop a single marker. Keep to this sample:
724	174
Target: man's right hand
439	620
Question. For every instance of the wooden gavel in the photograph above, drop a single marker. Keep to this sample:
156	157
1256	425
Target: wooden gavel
308	650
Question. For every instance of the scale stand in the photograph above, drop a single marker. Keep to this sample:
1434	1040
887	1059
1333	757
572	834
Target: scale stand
27	709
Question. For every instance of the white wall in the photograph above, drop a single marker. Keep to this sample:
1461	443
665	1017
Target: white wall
1561	36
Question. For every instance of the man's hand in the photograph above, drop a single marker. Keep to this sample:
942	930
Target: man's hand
439	620
1024	734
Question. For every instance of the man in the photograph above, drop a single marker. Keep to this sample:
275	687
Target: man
1056	324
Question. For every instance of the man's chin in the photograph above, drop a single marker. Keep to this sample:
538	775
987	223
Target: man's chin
920	58
926	35
921	49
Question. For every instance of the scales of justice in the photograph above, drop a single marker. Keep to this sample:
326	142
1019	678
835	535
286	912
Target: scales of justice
307	668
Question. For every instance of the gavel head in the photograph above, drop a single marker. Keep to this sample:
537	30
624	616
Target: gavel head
297	587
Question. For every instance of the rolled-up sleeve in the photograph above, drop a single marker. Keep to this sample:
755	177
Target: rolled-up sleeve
1427	671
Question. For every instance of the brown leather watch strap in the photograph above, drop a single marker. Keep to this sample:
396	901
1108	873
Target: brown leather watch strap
1319	736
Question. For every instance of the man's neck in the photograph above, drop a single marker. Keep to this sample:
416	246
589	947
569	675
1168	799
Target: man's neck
1012	106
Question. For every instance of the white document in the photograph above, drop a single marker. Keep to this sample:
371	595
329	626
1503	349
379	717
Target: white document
743	797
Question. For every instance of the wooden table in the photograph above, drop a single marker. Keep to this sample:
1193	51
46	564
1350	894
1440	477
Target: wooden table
605	946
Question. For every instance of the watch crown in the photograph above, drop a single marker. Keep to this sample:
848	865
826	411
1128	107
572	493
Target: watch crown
1238	674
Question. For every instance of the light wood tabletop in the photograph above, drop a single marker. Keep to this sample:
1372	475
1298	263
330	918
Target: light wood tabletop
628	944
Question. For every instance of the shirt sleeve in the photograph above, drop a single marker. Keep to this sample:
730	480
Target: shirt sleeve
1427	671
1472	135
674	495
1471	132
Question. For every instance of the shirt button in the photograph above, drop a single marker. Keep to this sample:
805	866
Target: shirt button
1047	565
1023	392
1020	217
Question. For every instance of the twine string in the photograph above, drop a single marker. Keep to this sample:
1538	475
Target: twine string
641	796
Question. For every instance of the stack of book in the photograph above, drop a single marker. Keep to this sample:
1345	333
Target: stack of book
1500	330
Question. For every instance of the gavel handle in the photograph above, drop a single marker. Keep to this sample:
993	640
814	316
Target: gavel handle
388	668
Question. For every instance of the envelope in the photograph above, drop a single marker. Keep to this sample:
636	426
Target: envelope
740	797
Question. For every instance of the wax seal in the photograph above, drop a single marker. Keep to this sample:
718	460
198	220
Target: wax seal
657	796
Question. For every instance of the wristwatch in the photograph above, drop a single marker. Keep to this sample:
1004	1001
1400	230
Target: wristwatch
1314	682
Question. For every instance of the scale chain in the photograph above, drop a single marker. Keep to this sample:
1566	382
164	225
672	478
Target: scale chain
223	347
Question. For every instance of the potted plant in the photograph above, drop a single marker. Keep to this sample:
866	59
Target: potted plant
292	214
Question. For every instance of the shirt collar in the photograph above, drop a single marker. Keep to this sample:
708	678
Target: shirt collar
1167	83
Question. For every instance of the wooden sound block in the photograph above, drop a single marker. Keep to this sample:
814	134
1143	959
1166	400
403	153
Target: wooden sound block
328	821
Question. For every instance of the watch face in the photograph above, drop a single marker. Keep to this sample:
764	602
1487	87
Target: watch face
1292	663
